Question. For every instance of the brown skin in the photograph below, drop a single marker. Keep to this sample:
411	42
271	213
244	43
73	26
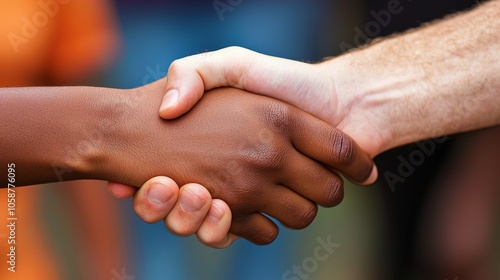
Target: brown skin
258	154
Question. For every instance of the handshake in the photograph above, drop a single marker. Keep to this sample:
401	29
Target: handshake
238	155
266	137
257	154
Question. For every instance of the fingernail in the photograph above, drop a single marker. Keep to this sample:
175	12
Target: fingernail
157	195
170	99
215	213
190	201
373	176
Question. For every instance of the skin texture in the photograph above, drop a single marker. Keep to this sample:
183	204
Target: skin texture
245	149
442	78
160	198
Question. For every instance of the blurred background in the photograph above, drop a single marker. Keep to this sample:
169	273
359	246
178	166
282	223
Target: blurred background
440	221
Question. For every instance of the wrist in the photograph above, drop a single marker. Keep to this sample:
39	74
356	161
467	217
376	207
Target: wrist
77	135
132	129
358	113
116	135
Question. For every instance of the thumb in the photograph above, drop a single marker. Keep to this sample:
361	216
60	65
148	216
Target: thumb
184	88
372	178
189	77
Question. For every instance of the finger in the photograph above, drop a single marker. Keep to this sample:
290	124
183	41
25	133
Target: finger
214	230
292	209
188	78
186	85
372	178
332	147
313	180
155	199
190	210
175	104
255	227
120	190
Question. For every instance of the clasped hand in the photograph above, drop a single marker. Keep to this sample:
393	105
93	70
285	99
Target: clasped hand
257	154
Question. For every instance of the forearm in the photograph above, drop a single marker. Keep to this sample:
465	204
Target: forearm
440	79
53	134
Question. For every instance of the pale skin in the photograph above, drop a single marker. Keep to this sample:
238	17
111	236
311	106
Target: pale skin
439	79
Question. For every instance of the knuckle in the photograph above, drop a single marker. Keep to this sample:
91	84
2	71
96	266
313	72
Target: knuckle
174	65
278	114
253	231
180	66
237	198
272	157
144	212
333	194
236	50
267	237
265	155
178	228
306	216
342	146
267	148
